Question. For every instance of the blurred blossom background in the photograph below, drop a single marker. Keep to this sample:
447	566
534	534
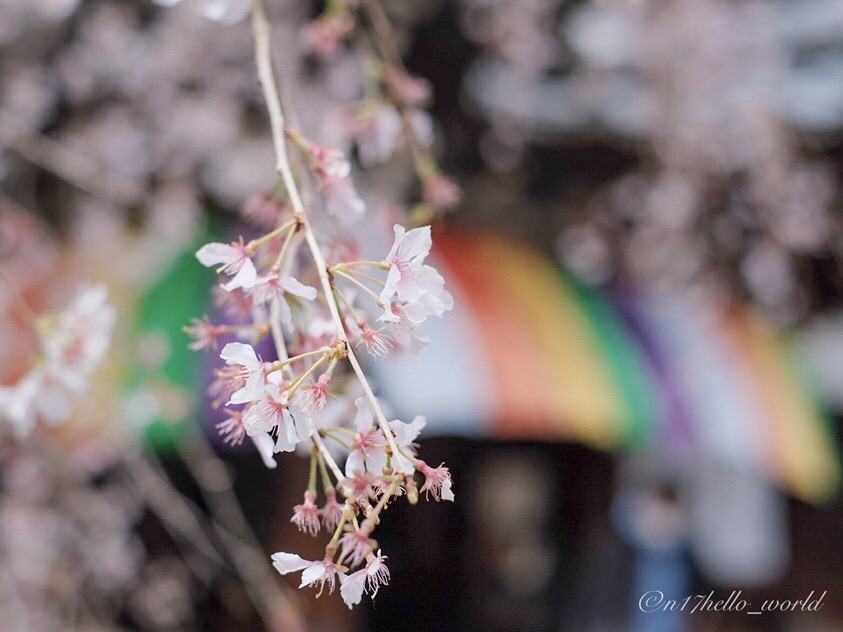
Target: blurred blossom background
640	387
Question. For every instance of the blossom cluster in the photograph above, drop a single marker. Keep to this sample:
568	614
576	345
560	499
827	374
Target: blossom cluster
72	343
294	401
303	283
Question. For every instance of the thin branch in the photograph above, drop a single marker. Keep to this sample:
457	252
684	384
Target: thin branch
177	515
263	60
68	164
274	602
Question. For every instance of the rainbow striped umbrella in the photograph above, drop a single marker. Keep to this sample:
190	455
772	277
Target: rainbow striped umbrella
529	353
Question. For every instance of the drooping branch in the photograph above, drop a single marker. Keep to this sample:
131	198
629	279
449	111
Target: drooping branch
263	59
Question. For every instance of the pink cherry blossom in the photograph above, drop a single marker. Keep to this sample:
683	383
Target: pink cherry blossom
437	481
262	210
358	486
234	260
367	449
248	371
306	516
403	330
204	333
329	162
322	572
332	511
407	89
377	129
405	435
441	192
377	342
272	411
376	571
357	544
418	288
235	304
316	395
232	430
352	587
273	286
373	576
325	35
342	200
268	412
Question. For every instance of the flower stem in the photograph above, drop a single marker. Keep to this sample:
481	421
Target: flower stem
363	287
311	481
280	364
291	391
260	241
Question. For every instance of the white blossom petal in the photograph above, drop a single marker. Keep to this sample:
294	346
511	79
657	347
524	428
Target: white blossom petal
351	587
289	563
214	254
292	285
263	443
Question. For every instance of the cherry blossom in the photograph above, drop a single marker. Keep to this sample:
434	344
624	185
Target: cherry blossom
418	288
316	395
406	89
372	576
441	192
377	342
248	373
306	515
376	571
358	486
325	35
322	572
367	451
405	436
356	544
73	343
234	260
377	130
404	331
342	200
273	285
204	333
368	448
332	511
437	481
352	587
232	430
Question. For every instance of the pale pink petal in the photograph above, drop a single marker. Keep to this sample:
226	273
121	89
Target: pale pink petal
240	353
313	573
364	416
389	290
399	232
415	245
292	285
246	277
215	254
446	492
354	463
